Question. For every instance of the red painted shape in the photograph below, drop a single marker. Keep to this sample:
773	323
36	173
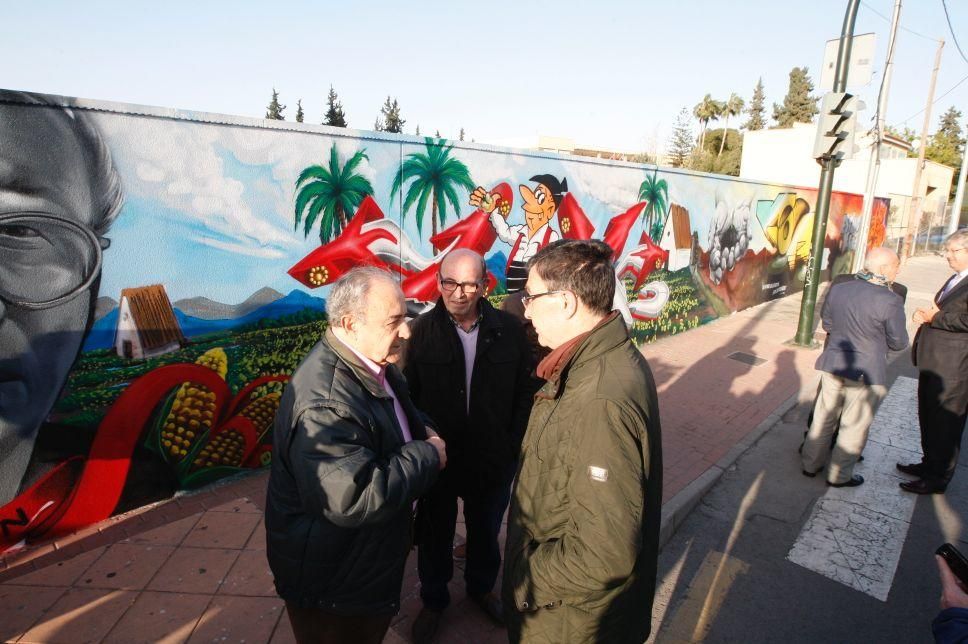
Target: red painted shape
618	229
349	249
653	257
572	220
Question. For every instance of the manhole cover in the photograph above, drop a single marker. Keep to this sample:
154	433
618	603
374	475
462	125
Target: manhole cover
746	358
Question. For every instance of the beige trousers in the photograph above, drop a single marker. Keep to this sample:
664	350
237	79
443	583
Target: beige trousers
853	404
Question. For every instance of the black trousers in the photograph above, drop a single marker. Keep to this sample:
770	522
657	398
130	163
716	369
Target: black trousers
314	626
484	508
942	411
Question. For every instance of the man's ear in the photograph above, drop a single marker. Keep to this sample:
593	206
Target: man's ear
348	323
570	303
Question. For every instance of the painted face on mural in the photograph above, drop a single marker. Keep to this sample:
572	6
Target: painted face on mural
461	284
49	263
539	206
379	336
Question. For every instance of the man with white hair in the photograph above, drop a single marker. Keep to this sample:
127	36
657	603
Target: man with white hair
941	355
864	320
351	453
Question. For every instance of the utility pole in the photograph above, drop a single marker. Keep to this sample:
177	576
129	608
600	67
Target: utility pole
960	193
874	161
828	162
914	211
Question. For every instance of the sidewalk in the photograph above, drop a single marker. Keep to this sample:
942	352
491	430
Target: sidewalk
194	569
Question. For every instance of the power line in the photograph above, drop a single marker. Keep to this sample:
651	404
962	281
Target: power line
910	31
919	112
952	30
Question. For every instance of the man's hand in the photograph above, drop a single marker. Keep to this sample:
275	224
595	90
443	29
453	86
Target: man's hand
953	594
924	316
439	445
480	198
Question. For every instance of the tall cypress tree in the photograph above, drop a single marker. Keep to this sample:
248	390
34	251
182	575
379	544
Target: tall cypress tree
681	143
461	134
334	111
757	109
275	109
299	111
798	105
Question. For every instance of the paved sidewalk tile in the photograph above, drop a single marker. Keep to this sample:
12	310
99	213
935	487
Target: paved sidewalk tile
194	570
22	606
125	566
81	615
250	576
62	573
222	530
171	534
160	617
238	619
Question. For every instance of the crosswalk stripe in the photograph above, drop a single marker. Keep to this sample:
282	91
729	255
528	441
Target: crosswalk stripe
855	535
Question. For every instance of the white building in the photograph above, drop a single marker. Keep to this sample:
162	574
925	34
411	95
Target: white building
785	156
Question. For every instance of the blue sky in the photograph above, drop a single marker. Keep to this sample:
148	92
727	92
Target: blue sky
607	73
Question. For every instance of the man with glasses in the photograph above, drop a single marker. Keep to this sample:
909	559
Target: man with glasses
583	531
59	193
469	368
940	352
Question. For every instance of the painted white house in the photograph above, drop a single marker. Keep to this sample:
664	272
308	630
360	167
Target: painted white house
146	324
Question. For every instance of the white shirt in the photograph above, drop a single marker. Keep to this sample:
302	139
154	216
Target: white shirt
529	246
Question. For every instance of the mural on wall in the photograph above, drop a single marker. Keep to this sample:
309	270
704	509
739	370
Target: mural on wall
161	277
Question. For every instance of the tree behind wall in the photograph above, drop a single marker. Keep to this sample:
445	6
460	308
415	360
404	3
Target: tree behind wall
757	109
390	113
680	145
947	145
334	110
275	109
798	105
299	111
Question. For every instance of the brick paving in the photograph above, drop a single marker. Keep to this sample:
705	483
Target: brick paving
193	569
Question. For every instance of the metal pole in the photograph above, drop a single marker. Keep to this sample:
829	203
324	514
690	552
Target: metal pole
914	215
804	337
960	194
874	161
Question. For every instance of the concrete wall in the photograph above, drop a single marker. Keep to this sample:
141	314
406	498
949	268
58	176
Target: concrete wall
224	234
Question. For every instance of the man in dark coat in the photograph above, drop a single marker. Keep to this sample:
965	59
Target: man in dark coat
864	320
940	352
351	453
469	368
583	532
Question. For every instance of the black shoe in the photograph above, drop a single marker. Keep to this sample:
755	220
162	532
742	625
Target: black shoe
913	469
491	605
923	486
854	481
425	627
810	474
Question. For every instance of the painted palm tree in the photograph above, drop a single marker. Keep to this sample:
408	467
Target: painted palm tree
732	107
435	177
706	110
330	194
655	192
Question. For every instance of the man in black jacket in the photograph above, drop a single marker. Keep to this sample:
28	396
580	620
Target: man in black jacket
469	368
350	455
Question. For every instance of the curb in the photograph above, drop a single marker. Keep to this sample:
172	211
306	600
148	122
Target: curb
678	508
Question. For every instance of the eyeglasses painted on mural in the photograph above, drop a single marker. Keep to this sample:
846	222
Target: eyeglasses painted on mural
45	259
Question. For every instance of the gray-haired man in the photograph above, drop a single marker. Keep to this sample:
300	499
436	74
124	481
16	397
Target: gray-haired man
350	455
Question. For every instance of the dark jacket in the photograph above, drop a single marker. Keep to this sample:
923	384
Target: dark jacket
942	345
583	533
863	321
342	485
482	443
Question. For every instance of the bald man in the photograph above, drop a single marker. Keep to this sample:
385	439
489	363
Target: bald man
864	319
468	366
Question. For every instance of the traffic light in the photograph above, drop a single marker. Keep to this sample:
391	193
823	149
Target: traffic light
835	126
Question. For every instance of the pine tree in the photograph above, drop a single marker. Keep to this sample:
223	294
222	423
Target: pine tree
391	116
461	134
947	144
437	134
418	130
757	109
275	109
378	125
680	145
334	111
798	105
299	111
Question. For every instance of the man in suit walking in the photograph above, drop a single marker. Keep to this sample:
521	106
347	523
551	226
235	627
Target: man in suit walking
940	352
863	319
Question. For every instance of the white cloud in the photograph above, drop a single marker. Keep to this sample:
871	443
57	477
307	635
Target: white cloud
253	251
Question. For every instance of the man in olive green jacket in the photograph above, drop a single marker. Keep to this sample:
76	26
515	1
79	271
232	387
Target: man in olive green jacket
583	532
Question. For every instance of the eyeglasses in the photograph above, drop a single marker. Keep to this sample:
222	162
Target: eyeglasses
45	260
450	286
527	299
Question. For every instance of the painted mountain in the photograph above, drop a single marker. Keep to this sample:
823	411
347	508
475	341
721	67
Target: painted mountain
101	335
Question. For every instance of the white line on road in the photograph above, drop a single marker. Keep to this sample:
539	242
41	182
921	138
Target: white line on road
855	535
